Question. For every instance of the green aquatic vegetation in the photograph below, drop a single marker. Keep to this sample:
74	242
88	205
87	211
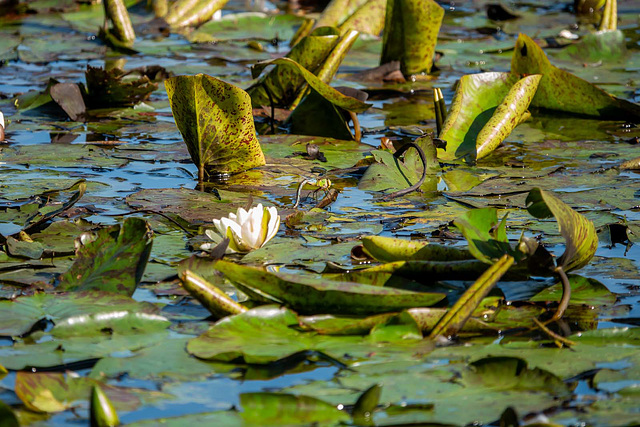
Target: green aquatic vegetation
396	303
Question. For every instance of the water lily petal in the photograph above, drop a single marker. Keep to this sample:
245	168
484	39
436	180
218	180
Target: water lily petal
252	228
227	223
274	223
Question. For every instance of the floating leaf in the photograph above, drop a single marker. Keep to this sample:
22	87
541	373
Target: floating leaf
195	207
113	261
312	295
562	91
388	249
262	335
583	291
215	121
288	409
411	32
511	373
581	239
79	313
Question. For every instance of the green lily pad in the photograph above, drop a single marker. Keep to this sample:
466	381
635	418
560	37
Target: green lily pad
64	351
261	335
583	291
313	295
215	121
511	373
79	313
247	26
113	261
168	360
388	249
289	409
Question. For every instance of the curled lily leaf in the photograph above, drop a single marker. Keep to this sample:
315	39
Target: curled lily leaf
247	230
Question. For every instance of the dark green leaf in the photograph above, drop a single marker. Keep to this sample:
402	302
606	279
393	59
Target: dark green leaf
313	295
113	261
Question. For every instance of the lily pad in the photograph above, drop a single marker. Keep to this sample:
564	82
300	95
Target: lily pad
114	260
78	313
313	295
261	335
282	408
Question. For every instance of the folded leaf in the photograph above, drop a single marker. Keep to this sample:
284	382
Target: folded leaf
343	101
114	261
485	109
562	91
581	239
316	295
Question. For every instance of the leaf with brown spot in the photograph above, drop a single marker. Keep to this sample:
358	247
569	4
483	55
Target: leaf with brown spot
562	91
216	123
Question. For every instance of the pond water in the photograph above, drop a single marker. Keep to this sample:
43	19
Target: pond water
121	152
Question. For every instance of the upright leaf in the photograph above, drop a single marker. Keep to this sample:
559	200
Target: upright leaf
410	33
282	84
216	122
562	91
114	261
487	238
485	109
581	239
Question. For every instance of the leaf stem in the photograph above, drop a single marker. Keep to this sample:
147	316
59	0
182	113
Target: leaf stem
566	294
357	132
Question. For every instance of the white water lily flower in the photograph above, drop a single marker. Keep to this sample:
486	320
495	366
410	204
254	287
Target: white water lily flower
247	230
1	119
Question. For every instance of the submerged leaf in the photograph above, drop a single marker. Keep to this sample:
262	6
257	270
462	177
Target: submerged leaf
216	122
